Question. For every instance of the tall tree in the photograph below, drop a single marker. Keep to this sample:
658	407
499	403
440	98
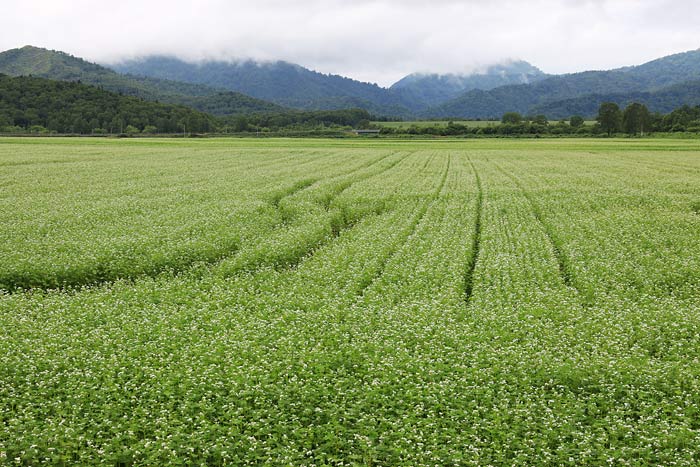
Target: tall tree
609	117
636	119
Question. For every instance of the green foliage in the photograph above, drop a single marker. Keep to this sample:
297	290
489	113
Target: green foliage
215	87
433	89
576	121
131	130
512	117
37	129
284	83
299	120
685	118
662	85
56	65
609	118
65	107
636	119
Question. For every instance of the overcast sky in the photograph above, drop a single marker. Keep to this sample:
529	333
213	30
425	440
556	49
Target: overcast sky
371	40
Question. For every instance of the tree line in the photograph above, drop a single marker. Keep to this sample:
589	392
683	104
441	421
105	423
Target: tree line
635	119
39	105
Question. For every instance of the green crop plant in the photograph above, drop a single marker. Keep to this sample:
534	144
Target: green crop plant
349	302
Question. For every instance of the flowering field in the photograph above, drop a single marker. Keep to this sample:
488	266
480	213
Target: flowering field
313	302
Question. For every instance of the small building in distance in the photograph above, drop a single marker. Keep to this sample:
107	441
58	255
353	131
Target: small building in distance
366	132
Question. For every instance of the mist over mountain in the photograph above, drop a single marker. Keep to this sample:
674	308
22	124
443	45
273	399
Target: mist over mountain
61	66
434	89
589	87
294	86
247	87
280	82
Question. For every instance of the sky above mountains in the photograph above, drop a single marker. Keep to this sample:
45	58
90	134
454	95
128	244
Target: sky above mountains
371	40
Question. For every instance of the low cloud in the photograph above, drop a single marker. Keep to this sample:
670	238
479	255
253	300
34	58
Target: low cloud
377	41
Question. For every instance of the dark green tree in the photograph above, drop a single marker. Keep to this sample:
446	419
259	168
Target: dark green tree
512	117
240	124
540	120
609	118
636	119
576	121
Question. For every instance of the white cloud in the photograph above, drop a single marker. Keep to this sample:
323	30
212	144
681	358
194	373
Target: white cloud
372	40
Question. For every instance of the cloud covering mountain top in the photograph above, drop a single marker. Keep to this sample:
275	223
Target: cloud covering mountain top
371	40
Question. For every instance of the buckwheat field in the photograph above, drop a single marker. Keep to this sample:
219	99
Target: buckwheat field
372	302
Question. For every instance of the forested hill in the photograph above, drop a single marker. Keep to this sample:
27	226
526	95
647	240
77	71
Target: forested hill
281	82
295	86
434	89
56	65
245	88
663	100
587	87
71	107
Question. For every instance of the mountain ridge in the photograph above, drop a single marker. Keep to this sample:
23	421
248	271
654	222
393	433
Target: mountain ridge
648	77
435	88
281	82
293	85
217	87
57	65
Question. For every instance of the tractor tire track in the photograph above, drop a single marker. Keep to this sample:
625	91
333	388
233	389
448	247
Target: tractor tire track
476	239
413	227
561	259
100	274
336	223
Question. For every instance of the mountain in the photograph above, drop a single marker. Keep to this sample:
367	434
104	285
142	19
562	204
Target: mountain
434	89
72	107
56	65
281	82
663	100
248	87
527	98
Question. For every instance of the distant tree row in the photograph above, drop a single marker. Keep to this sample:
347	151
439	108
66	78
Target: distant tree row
317	119
635	119
38	105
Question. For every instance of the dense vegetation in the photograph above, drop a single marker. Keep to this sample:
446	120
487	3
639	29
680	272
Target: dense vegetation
40	105
295	86
37	105
662	84
281	82
661	101
434	89
55	65
297	302
348	118
215	87
636	119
